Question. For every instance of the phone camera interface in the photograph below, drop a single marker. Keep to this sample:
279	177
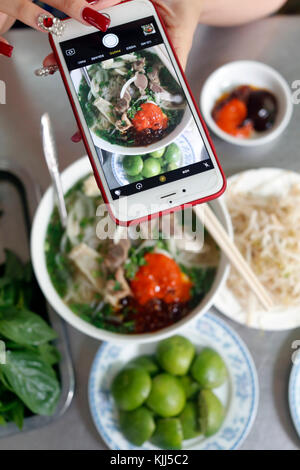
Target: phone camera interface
135	108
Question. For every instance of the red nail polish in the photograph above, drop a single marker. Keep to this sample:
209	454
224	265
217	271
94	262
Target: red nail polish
6	49
76	137
94	18
92	1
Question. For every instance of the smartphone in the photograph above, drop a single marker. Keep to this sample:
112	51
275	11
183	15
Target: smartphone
148	145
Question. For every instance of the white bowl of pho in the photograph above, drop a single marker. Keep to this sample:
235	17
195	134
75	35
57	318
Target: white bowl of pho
123	289
132	104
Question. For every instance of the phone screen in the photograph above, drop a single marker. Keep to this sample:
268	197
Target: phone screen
132	100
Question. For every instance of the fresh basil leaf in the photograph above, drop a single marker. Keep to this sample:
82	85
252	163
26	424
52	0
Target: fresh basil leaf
17	414
11	408
28	272
6	406
49	353
24	327
14	268
4	382
9	294
32	380
15	282
11	344
2	390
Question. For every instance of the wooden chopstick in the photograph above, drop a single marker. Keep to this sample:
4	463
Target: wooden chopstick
221	237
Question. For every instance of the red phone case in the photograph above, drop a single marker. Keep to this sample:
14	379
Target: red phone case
97	176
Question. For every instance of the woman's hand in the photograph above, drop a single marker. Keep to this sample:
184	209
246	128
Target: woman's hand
5	24
181	18
84	11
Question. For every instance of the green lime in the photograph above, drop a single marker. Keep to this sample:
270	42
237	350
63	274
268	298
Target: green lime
133	164
189	420
189	385
137	425
158	153
146	362
134	179
173	154
168	434
151	167
211	412
167	396
209	369
172	166
131	388
175	354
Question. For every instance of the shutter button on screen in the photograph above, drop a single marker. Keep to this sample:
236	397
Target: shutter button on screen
110	40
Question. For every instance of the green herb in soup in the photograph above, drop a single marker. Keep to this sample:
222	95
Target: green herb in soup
124	286
132	100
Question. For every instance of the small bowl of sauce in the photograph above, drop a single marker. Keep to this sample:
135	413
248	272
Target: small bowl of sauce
246	103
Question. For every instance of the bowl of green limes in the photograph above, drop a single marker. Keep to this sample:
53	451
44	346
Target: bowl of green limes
180	393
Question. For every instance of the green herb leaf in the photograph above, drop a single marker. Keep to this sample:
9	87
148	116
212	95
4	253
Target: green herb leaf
15	284
49	353
84	311
24	327
17	414
117	286
32	380
136	259
14	268
202	279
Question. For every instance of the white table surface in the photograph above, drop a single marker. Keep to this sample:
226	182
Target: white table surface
274	41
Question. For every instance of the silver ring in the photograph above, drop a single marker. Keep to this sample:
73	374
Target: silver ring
45	71
51	24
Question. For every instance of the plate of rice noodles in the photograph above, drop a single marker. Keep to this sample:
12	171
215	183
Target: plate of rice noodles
264	205
133	103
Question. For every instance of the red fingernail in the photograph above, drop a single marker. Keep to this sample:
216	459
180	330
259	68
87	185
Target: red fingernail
6	49
76	137
92	1
94	18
